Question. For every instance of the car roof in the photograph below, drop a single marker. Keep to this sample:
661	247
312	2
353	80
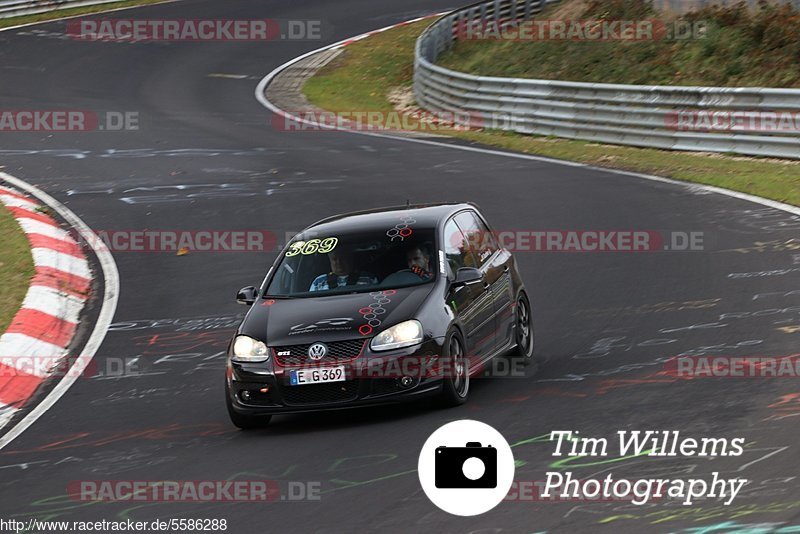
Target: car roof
424	215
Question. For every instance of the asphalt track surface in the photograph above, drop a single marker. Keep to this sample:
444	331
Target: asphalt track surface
605	322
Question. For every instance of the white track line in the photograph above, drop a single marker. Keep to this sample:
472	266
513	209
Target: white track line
262	98
106	315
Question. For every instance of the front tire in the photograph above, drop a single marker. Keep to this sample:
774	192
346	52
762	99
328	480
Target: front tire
456	384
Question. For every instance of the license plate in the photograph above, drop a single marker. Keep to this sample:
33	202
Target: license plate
301	377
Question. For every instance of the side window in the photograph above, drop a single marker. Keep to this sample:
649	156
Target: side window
480	240
455	247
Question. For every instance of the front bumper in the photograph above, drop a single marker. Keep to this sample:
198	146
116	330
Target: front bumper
370	379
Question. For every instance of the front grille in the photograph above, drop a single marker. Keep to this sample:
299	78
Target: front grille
321	393
338	352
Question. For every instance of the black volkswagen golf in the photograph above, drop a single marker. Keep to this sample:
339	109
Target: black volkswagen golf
373	307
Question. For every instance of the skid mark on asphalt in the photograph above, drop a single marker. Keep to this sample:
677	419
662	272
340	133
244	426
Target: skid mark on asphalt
181	324
233	76
190	192
143	153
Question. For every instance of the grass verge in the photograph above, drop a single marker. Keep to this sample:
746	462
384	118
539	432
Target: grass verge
71	12
16	267
719	46
362	77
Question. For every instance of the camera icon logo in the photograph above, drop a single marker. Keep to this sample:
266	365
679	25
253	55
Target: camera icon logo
472	466
466	467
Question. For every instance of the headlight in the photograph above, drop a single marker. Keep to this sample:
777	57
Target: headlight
247	349
400	335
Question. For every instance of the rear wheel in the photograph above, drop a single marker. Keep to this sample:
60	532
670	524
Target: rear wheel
524	328
456	381
245	422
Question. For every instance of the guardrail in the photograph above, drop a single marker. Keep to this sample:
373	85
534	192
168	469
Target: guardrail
655	116
18	8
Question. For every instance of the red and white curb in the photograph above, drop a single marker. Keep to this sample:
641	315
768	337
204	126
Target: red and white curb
36	342
38	336
352	40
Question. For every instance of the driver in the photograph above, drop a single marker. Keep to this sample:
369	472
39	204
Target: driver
419	262
342	273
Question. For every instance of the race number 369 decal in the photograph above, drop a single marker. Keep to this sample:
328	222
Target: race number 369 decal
312	246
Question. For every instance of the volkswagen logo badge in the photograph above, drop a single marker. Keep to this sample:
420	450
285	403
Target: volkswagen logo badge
317	351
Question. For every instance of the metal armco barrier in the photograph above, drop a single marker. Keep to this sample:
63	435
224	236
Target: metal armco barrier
666	117
18	8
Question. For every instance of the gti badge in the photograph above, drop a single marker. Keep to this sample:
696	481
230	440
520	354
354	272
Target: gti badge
317	351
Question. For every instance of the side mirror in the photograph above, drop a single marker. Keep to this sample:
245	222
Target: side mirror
247	295
466	276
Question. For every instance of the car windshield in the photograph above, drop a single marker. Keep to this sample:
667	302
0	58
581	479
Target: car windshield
355	262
